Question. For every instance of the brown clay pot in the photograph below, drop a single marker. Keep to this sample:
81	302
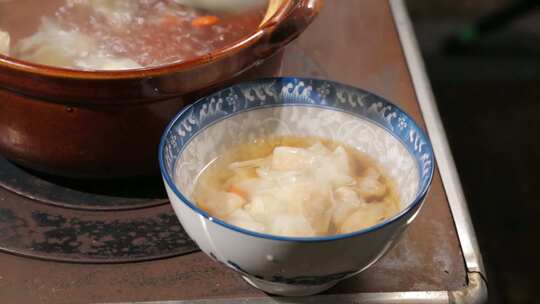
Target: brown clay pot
108	124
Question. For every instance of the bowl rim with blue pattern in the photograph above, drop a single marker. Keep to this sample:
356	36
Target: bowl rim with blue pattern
425	173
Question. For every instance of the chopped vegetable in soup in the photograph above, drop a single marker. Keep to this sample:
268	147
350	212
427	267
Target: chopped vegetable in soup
293	186
120	34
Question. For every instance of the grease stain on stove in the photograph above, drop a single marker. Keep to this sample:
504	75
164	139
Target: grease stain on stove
98	239
31	224
55	236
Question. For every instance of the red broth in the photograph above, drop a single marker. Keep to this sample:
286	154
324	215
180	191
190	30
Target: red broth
119	34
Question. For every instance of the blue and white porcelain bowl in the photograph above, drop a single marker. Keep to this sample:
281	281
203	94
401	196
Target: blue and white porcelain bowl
302	107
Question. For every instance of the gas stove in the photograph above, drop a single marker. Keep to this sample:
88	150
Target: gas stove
84	221
118	241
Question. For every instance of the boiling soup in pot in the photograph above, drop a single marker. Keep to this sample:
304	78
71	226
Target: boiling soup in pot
123	34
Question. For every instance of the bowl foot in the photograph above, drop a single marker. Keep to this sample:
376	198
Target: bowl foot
290	290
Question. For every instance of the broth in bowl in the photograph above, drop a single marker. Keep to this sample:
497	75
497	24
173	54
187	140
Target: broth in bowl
297	187
120	34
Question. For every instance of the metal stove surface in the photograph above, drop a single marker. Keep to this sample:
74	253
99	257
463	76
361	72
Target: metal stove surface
87	221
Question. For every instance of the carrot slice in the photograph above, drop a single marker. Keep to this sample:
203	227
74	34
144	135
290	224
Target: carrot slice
237	191
203	21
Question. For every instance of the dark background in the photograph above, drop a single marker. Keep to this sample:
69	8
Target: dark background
488	93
